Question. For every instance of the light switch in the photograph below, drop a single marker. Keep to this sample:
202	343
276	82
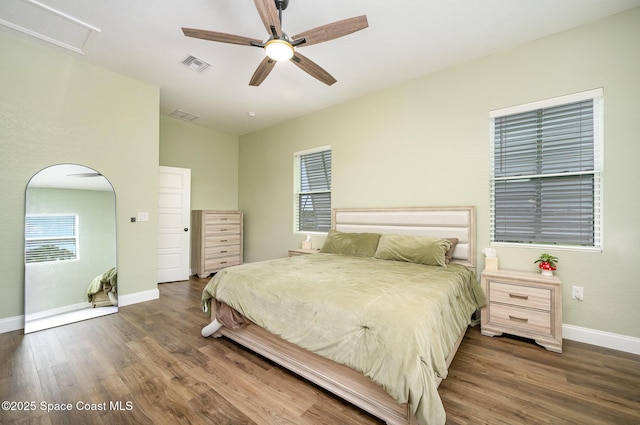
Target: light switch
143	216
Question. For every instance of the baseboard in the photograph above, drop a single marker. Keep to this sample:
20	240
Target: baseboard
59	310
15	323
11	324
138	297
618	342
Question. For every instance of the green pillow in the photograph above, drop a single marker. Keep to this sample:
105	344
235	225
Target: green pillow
413	249
356	244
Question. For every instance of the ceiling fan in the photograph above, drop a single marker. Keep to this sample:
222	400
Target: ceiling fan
96	174
279	46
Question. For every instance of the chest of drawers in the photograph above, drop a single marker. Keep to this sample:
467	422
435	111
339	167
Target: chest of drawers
216	241
525	304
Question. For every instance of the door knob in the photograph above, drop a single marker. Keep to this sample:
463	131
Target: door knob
186	229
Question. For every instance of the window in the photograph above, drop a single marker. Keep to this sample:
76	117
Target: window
312	190
546	172
50	238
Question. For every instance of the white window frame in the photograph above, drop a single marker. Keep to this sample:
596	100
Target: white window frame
297	190
55	240
598	102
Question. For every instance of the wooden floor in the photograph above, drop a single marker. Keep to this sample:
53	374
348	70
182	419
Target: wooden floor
148	364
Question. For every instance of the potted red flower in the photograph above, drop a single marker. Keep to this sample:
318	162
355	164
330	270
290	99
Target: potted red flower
547	264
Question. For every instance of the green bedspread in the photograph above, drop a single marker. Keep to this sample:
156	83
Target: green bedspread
393	321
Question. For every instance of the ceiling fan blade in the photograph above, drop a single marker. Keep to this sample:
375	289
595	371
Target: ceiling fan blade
269	15
262	71
96	174
220	36
334	30
313	69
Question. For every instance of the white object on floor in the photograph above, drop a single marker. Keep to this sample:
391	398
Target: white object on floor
211	328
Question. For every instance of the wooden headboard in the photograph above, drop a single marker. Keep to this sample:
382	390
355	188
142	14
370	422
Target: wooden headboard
438	222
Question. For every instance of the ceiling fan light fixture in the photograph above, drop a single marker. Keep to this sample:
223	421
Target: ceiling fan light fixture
278	49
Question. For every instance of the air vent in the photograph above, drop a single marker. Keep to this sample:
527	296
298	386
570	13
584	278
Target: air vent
184	116
195	64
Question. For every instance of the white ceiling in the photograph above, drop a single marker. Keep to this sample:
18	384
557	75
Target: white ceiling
70	176
406	39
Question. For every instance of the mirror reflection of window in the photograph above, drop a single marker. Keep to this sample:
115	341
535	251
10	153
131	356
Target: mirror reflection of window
49	238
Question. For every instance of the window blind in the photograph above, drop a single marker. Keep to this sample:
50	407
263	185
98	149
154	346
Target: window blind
545	169
313	191
50	238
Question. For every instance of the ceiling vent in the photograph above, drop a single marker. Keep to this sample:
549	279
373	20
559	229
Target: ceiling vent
184	116
195	64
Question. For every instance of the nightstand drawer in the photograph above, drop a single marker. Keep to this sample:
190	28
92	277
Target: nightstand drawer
518	295
520	318
300	251
526	304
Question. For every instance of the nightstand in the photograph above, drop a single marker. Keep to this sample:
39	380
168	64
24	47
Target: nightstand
300	251
526	304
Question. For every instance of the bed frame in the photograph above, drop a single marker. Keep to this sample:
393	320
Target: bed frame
441	222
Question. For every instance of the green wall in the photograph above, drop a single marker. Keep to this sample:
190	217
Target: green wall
426	142
57	109
212	157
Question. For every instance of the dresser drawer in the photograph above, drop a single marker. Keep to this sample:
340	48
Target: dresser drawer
221	251
222	230
221	240
520	318
215	264
518	295
221	219
216	240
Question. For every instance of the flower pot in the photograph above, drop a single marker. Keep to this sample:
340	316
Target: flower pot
546	272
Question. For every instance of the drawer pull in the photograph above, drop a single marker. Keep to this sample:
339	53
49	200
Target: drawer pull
223	240
223	218
518	296
222	252
223	230
223	262
518	319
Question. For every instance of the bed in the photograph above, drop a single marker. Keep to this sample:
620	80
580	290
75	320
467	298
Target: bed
336	311
103	289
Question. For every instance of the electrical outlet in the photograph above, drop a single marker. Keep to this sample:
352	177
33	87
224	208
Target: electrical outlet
577	293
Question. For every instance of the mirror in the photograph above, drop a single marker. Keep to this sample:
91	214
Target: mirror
70	247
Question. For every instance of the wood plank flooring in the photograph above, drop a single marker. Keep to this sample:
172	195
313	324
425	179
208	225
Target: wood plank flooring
148	364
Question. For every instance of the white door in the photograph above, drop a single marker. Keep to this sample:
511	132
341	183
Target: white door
174	221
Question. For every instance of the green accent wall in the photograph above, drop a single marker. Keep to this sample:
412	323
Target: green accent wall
212	157
56	108
426	142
